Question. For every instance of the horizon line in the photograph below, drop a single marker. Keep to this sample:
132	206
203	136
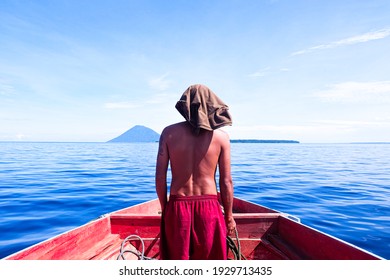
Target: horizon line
281	142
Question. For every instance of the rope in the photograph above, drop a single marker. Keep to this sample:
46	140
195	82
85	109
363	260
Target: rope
140	255
236	249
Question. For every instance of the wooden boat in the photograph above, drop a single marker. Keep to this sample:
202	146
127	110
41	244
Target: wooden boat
133	233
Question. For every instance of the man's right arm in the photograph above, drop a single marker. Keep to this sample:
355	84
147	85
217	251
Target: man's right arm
161	171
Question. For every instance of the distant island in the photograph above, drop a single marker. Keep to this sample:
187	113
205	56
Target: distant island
138	133
263	141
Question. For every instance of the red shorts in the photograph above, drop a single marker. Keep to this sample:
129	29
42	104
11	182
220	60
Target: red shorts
193	227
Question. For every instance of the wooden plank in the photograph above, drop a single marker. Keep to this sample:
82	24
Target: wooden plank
143	226
244	216
140	216
151	207
108	250
272	250
256	226
288	250
133	216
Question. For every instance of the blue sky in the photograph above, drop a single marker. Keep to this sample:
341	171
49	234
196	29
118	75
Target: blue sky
313	71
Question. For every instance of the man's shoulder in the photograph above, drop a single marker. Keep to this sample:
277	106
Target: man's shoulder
174	127
221	133
221	137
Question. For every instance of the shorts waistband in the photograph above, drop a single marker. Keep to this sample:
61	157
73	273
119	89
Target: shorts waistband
193	197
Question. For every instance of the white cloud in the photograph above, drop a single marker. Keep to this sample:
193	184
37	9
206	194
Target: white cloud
267	71
120	105
356	92
160	83
261	73
363	38
6	89
353	123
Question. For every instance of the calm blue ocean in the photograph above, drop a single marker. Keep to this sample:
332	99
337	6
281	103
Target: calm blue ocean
49	188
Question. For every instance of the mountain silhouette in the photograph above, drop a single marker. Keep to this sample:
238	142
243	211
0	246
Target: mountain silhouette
137	133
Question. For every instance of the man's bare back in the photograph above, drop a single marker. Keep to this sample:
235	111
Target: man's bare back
194	160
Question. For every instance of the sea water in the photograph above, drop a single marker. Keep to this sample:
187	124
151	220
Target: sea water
49	188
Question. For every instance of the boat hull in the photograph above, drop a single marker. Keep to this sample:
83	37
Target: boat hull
263	234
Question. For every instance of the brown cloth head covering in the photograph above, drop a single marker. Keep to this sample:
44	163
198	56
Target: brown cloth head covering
203	109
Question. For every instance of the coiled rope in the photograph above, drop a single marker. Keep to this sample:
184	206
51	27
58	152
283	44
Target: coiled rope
123	251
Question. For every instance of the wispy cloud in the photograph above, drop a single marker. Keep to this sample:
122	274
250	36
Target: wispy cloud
356	92
160	83
351	123
120	105
261	73
363	38
6	89
267	71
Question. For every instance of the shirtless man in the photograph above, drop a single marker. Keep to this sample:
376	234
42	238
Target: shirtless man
193	226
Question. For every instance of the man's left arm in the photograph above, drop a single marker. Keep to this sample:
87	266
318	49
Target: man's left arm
226	184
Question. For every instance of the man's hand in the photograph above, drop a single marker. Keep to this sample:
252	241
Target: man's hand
230	225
